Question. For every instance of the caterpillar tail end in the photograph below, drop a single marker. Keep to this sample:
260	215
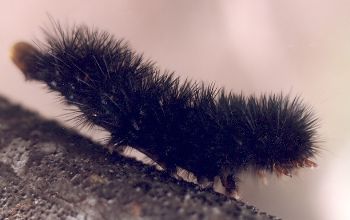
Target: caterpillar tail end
21	54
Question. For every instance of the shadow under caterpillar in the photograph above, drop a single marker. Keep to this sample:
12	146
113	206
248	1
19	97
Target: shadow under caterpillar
178	124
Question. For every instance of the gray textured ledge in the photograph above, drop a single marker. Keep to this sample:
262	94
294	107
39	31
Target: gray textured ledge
50	172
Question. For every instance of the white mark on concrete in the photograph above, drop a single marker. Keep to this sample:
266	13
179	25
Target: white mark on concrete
16	155
49	147
89	209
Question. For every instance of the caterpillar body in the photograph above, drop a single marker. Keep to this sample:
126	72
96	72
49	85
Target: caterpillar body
178	124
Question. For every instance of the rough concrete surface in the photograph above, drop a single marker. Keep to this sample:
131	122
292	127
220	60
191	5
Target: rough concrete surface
50	172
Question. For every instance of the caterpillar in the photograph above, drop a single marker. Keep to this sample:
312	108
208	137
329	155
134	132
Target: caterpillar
180	124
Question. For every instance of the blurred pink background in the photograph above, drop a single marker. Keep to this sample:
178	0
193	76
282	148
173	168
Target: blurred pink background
298	47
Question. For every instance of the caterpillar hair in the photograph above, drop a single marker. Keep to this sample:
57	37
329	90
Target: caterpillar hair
184	124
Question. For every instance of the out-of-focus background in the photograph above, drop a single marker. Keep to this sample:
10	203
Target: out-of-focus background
298	47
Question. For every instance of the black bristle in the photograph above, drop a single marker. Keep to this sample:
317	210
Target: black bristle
179	124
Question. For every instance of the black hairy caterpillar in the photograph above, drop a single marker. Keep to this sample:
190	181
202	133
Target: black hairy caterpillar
180	125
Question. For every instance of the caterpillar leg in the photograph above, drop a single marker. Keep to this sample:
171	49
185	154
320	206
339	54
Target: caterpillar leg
229	180
204	182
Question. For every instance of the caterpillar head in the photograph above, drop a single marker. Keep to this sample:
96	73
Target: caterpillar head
23	56
280	134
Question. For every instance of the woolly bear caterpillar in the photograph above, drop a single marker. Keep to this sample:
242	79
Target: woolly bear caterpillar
180	125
